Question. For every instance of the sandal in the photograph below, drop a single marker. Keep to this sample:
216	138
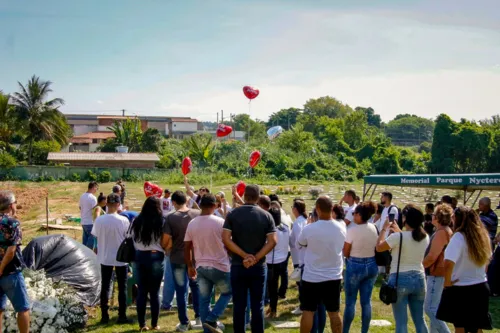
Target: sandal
144	329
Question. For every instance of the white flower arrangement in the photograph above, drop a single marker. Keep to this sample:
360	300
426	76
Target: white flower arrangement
54	308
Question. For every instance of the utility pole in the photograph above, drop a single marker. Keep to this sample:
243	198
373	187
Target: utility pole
123	112
222	116
217	118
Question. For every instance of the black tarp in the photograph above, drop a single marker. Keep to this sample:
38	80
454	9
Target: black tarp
69	261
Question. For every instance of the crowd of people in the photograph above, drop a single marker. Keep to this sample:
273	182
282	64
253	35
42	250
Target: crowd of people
437	262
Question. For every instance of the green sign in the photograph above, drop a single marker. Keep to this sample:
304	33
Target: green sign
446	181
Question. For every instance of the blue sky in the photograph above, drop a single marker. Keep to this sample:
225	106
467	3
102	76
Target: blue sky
192	58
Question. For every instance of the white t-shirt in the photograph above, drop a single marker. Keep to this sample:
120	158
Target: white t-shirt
87	203
166	206
385	214
349	214
110	231
363	239
323	242
281	249
286	219
466	271
298	225
221	214
412	253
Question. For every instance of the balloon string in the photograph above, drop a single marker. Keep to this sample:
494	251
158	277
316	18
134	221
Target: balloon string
249	118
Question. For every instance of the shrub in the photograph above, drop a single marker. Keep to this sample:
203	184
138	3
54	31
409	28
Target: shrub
50	179
105	177
91	176
75	177
7	161
315	192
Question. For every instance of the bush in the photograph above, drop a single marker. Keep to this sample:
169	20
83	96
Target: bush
315	192
105	177
75	177
91	176
7	161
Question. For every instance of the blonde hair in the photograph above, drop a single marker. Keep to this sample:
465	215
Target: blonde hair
468	223
443	214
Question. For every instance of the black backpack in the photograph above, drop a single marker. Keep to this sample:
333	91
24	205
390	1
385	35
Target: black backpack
400	216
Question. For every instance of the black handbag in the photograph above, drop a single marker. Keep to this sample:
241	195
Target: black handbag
383	258
126	251
389	294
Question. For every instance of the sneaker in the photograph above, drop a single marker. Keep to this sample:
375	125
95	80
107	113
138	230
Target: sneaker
212	329
183	328
297	312
197	321
248	327
221	326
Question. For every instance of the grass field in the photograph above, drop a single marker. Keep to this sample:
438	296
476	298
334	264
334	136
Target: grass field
63	201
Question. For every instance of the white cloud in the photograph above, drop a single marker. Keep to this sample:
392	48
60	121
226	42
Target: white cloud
99	102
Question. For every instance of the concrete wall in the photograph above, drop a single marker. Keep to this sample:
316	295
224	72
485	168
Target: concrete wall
184	127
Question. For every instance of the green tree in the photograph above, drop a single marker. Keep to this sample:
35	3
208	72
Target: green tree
409	130
386	161
356	129
324	106
40	151
9	122
473	146
285	118
200	149
40	118
296	140
442	145
151	140
128	133
242	122
372	118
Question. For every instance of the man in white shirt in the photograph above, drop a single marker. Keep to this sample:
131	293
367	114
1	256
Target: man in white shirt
299	212
110	231
323	266
350	199
166	203
389	208
87	203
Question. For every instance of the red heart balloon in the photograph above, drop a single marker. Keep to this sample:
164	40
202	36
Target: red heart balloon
152	190
240	188
187	165
223	130
250	92
254	158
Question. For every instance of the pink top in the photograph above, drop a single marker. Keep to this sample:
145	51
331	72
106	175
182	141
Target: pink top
205	231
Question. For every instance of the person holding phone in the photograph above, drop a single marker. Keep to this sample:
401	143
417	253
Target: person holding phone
390	212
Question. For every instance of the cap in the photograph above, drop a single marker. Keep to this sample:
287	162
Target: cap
113	198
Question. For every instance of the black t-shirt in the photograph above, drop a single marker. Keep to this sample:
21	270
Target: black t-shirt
428	227
249	226
176	225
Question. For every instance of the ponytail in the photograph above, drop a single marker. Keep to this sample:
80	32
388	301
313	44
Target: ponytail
414	218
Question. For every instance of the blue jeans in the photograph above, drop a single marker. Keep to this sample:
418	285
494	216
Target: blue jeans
243	280
149	270
360	276
87	238
13	288
168	285
411	294
182	282
208	277
435	286
319	321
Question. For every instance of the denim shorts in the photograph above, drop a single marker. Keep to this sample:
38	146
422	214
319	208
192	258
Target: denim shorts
12	287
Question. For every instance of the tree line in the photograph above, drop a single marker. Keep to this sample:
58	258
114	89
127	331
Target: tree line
324	140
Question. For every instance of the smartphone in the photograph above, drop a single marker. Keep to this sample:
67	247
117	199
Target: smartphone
391	217
310	215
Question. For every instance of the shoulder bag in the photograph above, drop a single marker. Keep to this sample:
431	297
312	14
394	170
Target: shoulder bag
389	294
126	251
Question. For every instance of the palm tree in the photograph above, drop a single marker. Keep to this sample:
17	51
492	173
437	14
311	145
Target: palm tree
200	149
128	133
40	118
8	123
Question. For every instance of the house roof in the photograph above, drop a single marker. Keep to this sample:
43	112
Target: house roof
93	135
184	120
122	157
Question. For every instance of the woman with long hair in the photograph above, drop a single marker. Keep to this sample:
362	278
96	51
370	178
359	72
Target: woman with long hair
434	265
362	270
411	278
338	213
465	299
99	209
147	230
